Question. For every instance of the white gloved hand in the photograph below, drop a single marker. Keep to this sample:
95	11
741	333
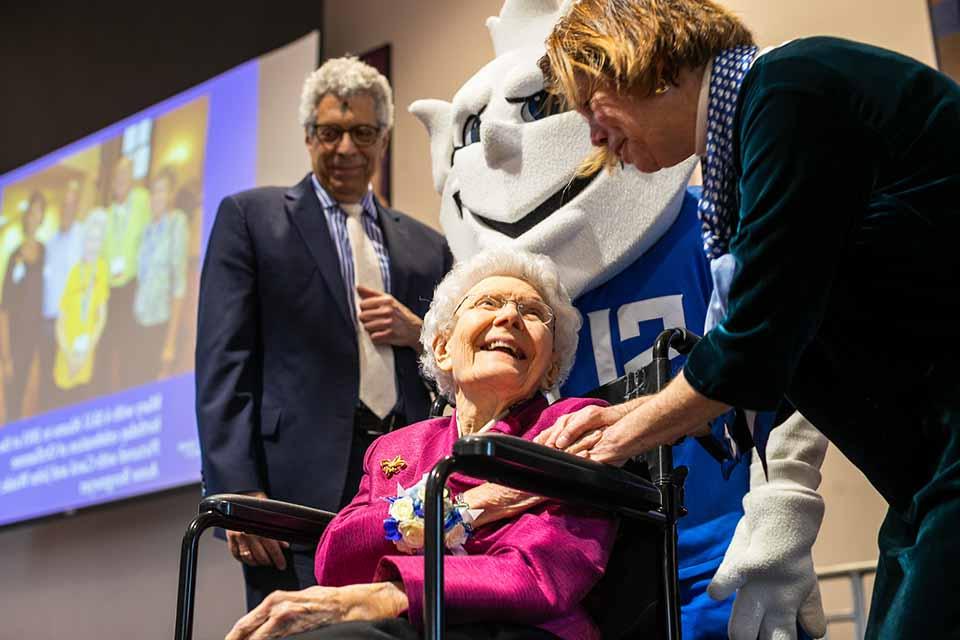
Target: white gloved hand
768	563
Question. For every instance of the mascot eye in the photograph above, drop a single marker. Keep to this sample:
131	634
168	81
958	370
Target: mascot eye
537	106
471	130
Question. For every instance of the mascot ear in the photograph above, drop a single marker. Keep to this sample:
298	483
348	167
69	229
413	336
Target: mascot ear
436	116
522	23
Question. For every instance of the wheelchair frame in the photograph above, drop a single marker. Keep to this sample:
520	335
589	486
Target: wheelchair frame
503	459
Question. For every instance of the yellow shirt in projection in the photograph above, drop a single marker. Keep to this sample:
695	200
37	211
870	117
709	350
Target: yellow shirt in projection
125	227
82	310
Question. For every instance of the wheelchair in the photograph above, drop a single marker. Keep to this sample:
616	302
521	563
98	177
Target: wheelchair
647	496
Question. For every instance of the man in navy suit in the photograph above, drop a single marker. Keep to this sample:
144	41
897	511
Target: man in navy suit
309	318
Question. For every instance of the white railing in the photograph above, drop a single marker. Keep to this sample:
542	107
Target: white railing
854	572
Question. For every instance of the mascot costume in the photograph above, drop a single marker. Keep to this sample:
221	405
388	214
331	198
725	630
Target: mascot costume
628	246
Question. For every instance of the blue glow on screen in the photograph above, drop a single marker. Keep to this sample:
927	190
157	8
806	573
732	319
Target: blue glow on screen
104	441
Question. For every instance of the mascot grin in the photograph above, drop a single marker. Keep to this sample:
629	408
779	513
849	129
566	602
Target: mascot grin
504	179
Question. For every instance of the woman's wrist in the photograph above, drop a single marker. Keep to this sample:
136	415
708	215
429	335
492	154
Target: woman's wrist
497	502
398	596
381	600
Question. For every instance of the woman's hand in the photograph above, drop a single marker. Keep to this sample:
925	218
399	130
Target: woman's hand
498	502
284	613
663	418
580	430
631	428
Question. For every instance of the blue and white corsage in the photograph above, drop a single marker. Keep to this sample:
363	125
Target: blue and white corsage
404	527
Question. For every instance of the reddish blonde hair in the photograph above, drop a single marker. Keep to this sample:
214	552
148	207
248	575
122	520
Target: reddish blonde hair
634	47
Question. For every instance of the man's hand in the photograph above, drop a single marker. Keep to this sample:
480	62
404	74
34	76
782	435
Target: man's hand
387	320
257	551
285	613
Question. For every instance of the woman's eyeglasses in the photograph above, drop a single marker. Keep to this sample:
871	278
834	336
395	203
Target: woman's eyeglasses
529	310
363	135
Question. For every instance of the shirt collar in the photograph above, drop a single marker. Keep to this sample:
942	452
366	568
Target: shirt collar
702	104
329	202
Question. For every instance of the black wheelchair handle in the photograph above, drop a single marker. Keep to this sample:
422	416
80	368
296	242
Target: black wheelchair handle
680	339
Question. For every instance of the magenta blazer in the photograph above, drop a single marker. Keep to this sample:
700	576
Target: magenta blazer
534	569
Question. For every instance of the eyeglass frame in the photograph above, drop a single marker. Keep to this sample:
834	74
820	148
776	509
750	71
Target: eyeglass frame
516	303
314	127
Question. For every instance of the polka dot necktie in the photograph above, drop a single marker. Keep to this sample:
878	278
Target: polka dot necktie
718	203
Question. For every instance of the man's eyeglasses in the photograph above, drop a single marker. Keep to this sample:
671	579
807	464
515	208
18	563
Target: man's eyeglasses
529	310
363	135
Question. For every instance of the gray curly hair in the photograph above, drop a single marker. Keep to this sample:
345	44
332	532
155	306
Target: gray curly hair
345	77
537	270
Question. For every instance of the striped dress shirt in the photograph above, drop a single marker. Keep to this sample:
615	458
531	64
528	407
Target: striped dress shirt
337	224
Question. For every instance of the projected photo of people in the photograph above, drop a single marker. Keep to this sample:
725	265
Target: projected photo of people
99	258
21	307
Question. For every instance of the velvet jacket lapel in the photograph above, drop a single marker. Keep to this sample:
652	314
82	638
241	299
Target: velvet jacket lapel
308	218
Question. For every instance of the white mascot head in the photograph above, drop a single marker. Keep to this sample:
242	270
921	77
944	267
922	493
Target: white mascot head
505	166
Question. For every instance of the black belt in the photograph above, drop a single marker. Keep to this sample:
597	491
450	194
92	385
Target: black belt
367	423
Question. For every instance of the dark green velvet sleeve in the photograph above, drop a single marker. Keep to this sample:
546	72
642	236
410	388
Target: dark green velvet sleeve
805	182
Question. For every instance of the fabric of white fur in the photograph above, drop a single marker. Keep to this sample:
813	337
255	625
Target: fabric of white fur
517	165
769	564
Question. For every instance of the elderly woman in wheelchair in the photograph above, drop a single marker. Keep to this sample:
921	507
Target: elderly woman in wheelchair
500	332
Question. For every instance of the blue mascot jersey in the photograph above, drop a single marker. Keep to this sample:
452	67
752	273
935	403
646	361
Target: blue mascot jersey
668	286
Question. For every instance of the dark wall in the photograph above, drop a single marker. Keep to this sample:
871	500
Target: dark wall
68	69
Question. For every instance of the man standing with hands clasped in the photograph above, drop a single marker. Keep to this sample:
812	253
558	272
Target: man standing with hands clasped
310	310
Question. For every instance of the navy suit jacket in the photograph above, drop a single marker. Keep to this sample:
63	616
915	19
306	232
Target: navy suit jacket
277	368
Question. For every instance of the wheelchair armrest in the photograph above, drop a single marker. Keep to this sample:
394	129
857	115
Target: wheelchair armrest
238	512
270	518
528	466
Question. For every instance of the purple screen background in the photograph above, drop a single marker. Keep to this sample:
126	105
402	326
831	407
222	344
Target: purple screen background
144	439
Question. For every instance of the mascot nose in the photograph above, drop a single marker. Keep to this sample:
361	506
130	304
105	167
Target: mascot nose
502	143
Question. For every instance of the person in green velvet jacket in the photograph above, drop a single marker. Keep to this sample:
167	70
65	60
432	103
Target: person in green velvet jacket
831	211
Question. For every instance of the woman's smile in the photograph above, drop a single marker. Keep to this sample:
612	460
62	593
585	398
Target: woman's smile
494	345
505	345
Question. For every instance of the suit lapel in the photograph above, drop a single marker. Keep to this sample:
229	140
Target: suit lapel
307	216
402	259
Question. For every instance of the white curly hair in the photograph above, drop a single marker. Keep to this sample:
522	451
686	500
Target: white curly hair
537	270
345	77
